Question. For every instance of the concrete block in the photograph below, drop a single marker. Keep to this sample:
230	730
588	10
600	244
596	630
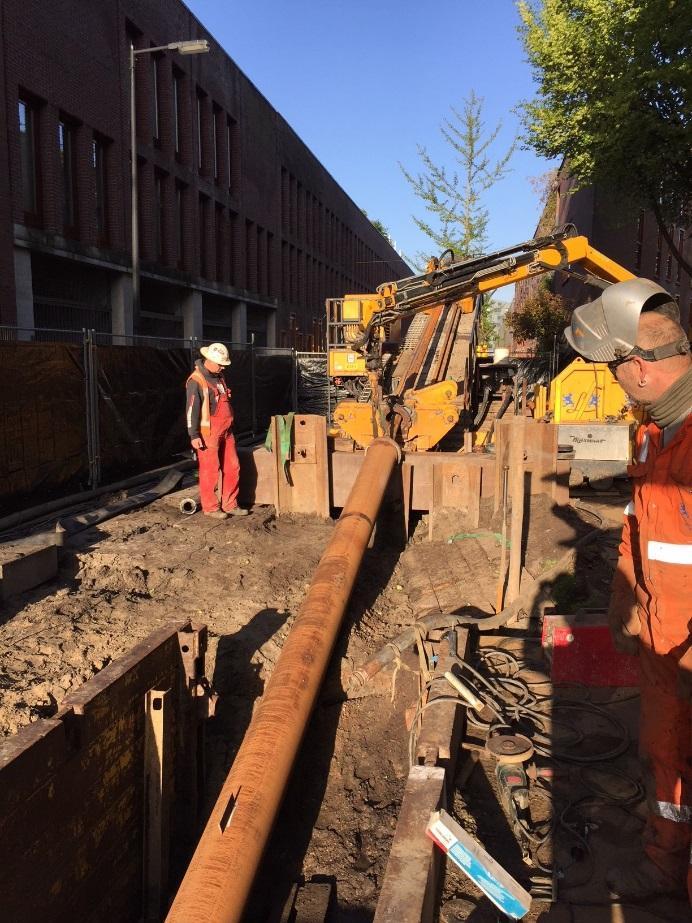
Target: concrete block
23	567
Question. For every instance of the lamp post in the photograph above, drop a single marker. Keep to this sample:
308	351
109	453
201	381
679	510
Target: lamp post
194	46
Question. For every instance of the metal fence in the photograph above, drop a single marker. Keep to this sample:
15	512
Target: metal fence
267	380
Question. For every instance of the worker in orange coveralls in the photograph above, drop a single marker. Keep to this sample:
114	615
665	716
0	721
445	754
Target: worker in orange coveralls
634	327
210	428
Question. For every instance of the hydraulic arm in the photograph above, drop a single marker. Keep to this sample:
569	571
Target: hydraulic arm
365	354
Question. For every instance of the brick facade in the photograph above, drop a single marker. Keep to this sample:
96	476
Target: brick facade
232	203
634	242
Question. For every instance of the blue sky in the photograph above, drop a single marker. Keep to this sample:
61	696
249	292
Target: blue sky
363	82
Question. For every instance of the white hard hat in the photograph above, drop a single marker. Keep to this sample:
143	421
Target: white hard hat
217	353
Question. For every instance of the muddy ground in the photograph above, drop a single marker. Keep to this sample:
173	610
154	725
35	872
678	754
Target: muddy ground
245	578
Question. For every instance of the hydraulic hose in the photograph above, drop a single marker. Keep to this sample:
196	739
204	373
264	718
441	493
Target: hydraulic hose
438	619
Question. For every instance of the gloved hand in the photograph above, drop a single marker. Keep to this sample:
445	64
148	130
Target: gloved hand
625	625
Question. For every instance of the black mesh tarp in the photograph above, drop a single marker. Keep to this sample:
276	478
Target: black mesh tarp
141	392
273	387
43	442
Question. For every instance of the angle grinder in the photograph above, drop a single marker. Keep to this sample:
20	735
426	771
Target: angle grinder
512	752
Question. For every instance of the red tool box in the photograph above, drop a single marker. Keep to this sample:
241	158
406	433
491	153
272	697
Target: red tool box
580	650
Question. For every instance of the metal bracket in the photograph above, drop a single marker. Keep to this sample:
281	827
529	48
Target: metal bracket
193	647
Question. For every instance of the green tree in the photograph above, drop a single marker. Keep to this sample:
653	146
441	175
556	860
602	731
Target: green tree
615	98
379	226
542	318
453	194
487	329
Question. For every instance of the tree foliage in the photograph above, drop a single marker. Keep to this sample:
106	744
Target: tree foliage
487	329
615	97
543	318
453	193
379	226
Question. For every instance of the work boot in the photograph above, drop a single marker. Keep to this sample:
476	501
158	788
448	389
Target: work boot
641	881
236	511
217	514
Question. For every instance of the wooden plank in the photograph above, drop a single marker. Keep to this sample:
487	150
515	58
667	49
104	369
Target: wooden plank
474	486
257	476
410	881
410	884
441	730
25	566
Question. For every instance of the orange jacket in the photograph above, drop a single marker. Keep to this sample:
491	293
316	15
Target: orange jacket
656	547
203	390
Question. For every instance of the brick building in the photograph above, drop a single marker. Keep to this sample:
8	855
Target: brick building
635	243
241	229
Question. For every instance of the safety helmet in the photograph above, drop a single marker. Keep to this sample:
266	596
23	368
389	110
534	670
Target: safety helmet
606	329
217	353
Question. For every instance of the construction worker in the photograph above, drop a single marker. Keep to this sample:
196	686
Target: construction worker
210	428
634	326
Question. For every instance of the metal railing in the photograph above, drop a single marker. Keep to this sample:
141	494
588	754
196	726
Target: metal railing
91	341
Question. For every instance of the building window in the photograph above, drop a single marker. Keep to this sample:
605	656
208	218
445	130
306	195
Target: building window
681	245
66	135
200	159
98	162
216	140
203	209
220	243
27	151
233	247
231	153
158	215
180	225
155	98
177	111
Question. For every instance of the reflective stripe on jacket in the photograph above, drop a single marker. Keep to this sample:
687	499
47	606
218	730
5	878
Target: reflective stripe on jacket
657	536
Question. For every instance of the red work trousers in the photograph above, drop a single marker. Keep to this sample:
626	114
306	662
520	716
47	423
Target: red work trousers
665	746
219	458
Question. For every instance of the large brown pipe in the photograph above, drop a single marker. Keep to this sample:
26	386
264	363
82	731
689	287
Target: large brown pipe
217	883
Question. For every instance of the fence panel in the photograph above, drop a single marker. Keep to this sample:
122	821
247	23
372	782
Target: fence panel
43	438
141	407
84	406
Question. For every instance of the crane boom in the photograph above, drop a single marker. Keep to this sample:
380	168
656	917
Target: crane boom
360	331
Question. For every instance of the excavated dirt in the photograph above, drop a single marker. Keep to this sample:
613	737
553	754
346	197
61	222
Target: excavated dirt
246	578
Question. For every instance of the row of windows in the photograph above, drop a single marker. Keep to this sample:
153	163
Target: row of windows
305	278
66	148
305	219
215	132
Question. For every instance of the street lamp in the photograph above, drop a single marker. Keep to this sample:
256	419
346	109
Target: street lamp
194	46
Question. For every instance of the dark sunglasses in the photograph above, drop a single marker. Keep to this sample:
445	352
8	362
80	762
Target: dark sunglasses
617	362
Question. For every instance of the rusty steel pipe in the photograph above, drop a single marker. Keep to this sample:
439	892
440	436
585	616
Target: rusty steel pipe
218	881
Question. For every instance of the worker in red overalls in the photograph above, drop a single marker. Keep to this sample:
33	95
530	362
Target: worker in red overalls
209	426
634	326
